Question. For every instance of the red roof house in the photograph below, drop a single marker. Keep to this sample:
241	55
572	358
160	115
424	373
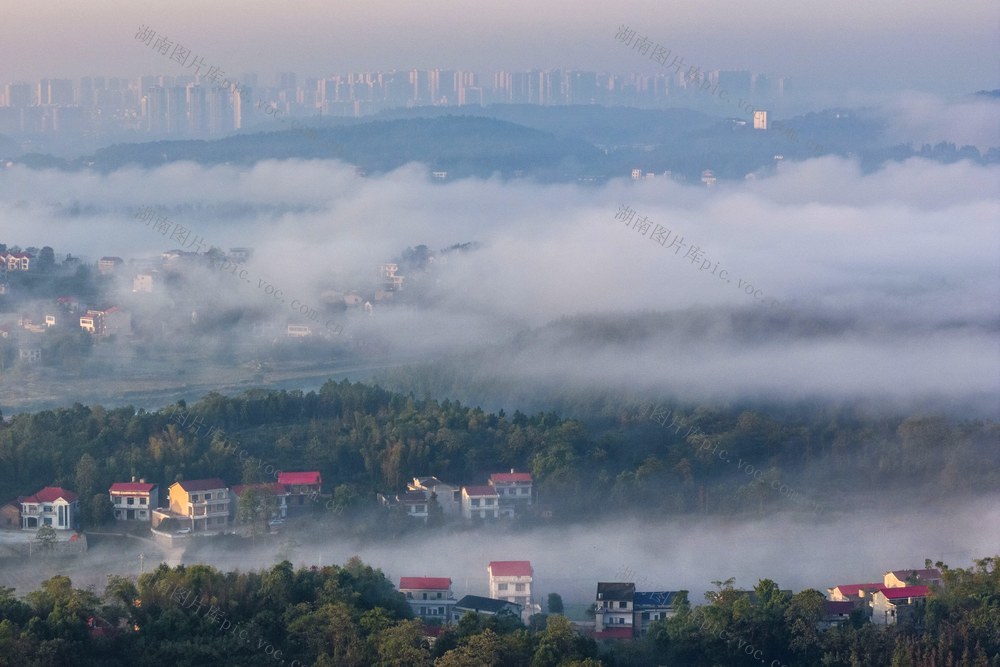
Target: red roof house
510	568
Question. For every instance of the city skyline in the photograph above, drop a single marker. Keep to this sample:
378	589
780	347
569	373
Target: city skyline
845	49
211	103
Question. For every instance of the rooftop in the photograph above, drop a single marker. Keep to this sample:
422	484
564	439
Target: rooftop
50	494
511	477
510	568
906	592
489	605
425	583
202	484
615	590
131	487
308	477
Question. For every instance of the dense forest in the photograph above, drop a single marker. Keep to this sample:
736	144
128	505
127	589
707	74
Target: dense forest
351	615
365	439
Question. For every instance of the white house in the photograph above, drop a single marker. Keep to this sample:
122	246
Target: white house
615	610
430	597
651	607
514	490
893	605
511	580
449	496
134	501
480	502
52	506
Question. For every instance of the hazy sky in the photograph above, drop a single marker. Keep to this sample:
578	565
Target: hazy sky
852	45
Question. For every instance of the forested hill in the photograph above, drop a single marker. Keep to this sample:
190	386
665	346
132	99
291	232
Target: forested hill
352	616
364	439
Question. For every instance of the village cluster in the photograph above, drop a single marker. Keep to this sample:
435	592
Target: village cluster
207	506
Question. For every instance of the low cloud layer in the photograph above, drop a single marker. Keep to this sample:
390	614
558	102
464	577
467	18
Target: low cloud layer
888	281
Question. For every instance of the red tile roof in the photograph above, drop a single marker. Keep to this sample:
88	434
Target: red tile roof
510	568
510	477
50	494
906	592
202	484
852	590
311	477
480	491
425	583
131	487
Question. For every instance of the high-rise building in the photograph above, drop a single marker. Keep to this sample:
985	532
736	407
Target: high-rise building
760	120
17	95
55	92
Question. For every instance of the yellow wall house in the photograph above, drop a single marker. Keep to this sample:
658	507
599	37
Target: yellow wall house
205	502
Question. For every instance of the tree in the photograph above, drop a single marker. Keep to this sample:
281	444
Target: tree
46	538
483	649
555	603
402	645
98	511
46	259
86	475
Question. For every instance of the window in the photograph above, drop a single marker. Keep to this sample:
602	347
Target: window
425	596
439	595
143	501
130	501
519	588
440	611
501	587
194	497
623	605
475	502
208	496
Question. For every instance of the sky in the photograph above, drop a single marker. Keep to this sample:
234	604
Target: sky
851	50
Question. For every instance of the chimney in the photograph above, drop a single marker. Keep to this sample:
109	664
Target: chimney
142	480
511	471
133	478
